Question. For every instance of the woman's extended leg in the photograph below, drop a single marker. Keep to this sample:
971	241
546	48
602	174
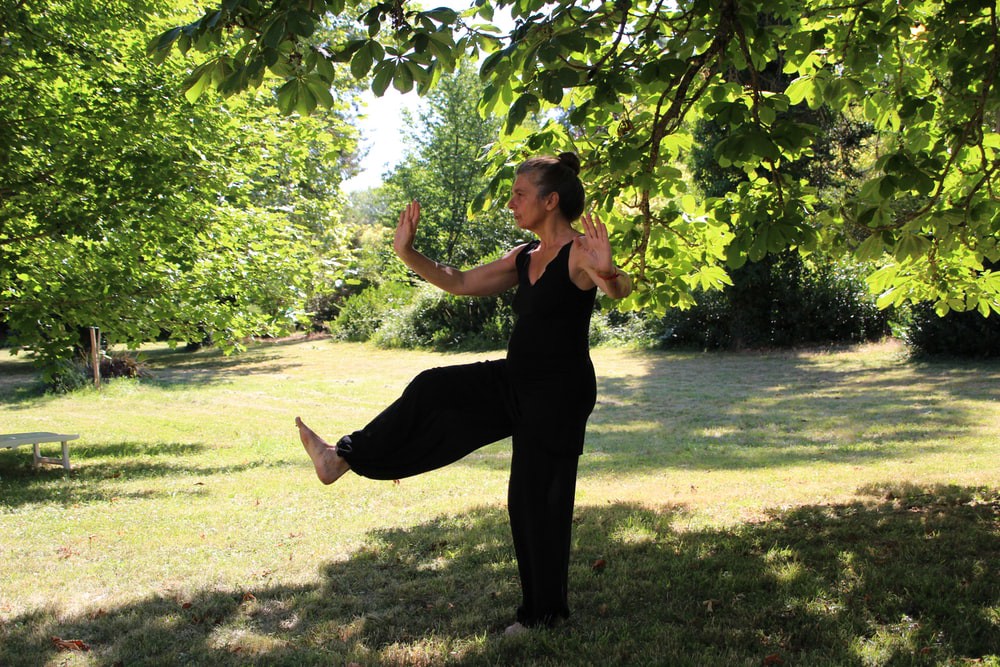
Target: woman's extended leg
442	415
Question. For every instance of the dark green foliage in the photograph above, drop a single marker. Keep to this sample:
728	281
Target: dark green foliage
960	334
780	302
325	306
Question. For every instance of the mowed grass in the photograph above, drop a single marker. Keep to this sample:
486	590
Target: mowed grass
792	508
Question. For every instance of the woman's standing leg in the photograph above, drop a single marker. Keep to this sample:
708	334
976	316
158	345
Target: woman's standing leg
540	499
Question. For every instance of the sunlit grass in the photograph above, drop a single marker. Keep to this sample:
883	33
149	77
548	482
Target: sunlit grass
801	504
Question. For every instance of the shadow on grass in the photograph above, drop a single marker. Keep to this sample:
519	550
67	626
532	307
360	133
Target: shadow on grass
733	411
905	576
177	369
167	368
18	380
103	472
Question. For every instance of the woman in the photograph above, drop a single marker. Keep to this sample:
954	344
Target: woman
540	395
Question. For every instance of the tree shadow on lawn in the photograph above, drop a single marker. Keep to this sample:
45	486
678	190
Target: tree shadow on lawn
101	472
904	576
177	369
731	411
168	369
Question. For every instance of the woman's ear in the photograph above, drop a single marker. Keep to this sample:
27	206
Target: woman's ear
552	201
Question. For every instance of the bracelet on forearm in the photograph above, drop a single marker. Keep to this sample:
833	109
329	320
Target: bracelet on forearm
608	277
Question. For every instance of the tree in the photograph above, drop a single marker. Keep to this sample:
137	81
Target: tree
632	73
444	171
127	208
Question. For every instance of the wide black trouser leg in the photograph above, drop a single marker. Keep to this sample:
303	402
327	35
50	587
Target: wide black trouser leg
540	504
442	415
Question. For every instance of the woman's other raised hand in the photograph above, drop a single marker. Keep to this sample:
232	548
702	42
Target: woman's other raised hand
406	230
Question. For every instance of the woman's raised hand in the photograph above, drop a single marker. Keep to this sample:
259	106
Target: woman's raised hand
596	244
406	230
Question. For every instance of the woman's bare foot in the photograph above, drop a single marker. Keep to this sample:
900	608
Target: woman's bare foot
330	466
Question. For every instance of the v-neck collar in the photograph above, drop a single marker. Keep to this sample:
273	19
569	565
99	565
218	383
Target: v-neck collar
527	269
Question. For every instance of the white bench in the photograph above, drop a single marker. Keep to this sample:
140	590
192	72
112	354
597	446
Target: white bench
12	440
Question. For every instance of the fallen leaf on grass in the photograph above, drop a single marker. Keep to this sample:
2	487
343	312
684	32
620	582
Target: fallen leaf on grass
69	644
710	605
773	659
599	565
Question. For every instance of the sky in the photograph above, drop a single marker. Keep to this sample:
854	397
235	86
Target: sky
382	134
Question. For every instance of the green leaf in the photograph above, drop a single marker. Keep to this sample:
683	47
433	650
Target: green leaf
911	246
870	249
382	77
320	91
519	110
445	15
362	61
300	22
159	46
275	32
288	97
552	90
198	81
402	80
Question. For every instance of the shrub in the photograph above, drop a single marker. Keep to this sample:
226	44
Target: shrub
119	365
612	327
363	314
781	301
966	334
63	376
441	321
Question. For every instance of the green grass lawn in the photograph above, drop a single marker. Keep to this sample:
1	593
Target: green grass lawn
808	508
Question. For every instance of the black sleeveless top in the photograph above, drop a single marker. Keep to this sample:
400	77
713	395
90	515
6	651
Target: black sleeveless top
552	381
552	326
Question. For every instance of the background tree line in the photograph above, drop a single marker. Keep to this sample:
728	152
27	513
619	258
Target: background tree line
784	205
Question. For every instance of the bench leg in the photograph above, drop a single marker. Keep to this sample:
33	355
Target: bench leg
37	459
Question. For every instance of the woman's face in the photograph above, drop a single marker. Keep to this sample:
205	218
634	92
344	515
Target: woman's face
528	207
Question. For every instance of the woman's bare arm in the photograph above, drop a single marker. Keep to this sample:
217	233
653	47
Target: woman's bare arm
484	280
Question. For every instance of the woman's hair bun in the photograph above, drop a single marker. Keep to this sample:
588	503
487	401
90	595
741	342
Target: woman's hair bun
570	160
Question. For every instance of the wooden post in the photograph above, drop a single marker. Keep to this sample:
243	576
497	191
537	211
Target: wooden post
95	356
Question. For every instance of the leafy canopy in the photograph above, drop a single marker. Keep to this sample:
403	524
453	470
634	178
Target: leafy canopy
629	76
125	207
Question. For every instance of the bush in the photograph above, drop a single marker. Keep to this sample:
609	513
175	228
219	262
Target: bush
611	327
63	376
967	334
119	365
781	301
442	321
363	314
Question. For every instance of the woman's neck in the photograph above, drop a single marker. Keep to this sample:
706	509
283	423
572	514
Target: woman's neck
555	233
